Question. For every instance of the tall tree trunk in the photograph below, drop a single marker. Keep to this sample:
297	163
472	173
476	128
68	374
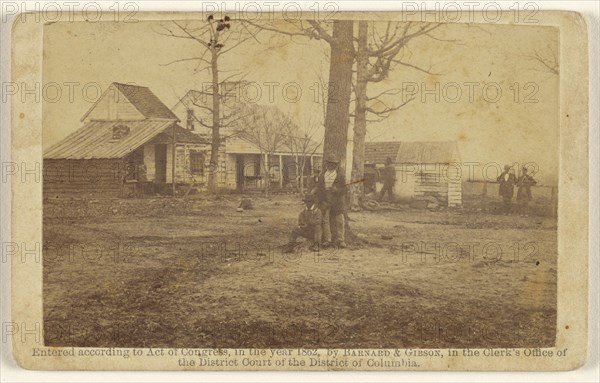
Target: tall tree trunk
337	116
301	173
267	176
360	118
216	123
340	89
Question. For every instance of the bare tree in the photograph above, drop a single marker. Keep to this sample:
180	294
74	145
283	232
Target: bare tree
380	47
216	40
265	128
302	146
230	108
338	34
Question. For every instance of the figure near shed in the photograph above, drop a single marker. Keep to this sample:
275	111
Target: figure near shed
389	179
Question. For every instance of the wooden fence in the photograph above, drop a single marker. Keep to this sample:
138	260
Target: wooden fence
484	195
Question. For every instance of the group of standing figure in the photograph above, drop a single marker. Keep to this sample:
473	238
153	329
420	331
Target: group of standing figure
322	219
508	180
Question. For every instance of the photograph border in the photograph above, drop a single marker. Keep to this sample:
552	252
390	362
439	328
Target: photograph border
572	211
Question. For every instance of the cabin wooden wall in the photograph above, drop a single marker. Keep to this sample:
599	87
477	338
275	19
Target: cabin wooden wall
434	180
83	178
422	180
454	193
182	163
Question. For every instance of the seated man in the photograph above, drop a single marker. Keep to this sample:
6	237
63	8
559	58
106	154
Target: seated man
309	225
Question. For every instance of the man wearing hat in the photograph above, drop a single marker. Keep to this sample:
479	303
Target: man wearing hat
507	181
524	184
309	225
389	179
331	197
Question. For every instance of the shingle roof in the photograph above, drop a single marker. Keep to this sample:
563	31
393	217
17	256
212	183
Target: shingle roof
378	152
95	139
182	135
145	101
431	152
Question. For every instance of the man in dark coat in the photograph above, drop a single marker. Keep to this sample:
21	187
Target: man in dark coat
507	181
389	180
524	184
309	225
331	197
312	181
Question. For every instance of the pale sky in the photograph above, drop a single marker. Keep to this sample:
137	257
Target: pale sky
502	129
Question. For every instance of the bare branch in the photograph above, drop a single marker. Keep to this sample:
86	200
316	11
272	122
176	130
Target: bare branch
549	64
202	106
321	32
231	122
205	125
266	27
389	92
387	110
428	71
240	42
186	59
189	35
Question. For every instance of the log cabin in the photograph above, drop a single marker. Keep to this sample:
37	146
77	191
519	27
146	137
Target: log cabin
129	144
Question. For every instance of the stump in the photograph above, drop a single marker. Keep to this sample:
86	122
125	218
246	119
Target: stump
246	204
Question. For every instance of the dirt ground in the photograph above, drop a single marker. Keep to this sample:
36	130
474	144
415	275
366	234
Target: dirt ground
195	272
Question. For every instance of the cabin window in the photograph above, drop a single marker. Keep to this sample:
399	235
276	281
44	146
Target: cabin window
197	163
190	119
120	131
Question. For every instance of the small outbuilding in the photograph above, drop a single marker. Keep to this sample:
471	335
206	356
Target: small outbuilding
423	169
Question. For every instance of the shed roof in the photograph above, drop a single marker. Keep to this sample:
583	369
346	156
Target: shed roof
145	101
378	152
142	98
426	152
95	139
182	135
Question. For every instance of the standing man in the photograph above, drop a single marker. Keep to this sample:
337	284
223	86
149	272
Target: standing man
331	195
389	180
524	185
507	181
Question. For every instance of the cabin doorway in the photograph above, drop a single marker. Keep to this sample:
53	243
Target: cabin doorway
160	163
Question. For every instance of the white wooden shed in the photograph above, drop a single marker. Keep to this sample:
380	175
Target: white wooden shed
422	169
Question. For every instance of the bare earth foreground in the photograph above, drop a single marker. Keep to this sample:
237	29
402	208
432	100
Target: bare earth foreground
194	272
